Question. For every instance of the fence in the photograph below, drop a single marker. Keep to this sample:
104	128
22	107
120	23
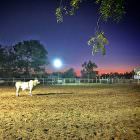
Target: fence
68	81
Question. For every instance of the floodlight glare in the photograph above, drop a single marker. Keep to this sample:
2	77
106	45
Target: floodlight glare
57	63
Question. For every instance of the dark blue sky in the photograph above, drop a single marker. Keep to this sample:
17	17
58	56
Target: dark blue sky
35	19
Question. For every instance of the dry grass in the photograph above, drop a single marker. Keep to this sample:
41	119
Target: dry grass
100	112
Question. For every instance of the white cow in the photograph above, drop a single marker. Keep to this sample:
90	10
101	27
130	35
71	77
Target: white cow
26	85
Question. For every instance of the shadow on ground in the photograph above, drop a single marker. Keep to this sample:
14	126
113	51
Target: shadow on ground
46	94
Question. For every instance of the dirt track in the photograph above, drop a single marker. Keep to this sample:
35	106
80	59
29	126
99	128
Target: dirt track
103	112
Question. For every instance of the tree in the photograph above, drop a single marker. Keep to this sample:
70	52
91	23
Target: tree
108	9
7	67
2	60
70	73
88	70
31	57
1	56
10	62
126	75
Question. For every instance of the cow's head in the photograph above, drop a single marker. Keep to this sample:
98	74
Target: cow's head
36	82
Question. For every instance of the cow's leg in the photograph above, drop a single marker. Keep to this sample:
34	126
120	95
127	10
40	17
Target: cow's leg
30	93
17	91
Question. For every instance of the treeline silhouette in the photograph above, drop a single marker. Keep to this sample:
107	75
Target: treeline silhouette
23	59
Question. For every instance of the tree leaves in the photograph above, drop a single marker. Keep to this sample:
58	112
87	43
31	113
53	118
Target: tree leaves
107	9
66	10
98	43
59	14
111	9
75	3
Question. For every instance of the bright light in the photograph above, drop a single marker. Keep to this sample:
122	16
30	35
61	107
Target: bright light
57	63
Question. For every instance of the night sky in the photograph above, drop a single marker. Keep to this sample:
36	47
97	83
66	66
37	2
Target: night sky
35	19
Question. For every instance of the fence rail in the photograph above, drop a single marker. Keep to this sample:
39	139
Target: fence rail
68	81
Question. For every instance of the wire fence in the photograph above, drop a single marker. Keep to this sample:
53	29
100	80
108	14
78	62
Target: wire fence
69	81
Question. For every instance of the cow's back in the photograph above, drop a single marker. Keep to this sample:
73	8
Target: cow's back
22	85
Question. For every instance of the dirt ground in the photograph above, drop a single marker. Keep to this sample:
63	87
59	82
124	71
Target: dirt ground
97	112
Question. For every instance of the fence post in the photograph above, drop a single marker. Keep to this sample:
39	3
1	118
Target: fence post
107	81
112	80
13	80
64	81
43	81
79	80
52	81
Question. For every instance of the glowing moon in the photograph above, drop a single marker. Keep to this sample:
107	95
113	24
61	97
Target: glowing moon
57	63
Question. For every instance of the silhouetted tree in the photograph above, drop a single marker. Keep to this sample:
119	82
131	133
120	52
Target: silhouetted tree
2	60
70	73
126	75
88	70
7	67
31	57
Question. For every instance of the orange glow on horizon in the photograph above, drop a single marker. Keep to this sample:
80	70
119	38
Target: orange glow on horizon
102	70
111	70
